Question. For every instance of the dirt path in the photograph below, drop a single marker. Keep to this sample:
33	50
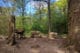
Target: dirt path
34	45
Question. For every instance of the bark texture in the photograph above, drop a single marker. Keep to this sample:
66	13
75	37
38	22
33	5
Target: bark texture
74	23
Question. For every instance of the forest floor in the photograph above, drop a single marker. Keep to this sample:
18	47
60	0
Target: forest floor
34	45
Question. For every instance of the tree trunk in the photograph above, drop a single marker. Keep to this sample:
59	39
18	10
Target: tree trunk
11	35
23	12
49	17
74	23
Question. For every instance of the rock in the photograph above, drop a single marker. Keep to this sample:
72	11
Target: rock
53	35
35	34
2	37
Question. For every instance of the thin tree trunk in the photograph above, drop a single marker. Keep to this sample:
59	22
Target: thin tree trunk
40	11
49	17
23	12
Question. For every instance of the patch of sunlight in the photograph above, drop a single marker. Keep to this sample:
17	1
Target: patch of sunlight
34	51
76	29
58	50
